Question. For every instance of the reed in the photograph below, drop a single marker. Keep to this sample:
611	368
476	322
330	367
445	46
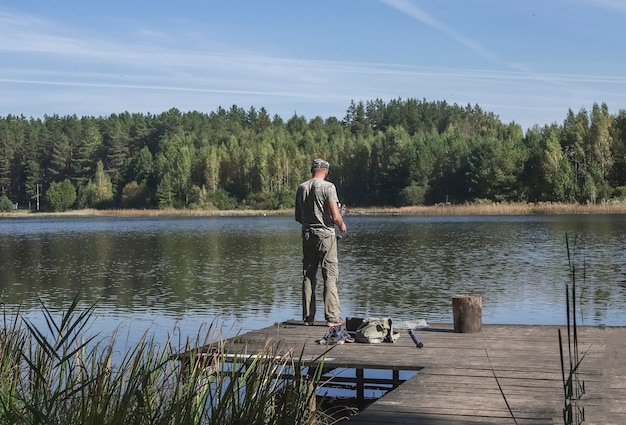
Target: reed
512	208
508	406
58	375
474	208
573	386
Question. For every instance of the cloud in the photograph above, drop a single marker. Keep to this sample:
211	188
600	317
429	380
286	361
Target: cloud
618	5
524	72
48	68
410	9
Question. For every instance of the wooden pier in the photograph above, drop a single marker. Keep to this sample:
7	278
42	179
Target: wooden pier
488	377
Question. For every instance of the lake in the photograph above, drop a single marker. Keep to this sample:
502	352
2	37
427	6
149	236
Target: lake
154	274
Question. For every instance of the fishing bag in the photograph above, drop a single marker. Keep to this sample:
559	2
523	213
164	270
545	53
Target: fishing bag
376	330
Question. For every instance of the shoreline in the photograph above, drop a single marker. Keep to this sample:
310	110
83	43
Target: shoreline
433	210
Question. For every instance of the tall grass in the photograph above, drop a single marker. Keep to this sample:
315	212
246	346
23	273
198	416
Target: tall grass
478	207
573	387
58	375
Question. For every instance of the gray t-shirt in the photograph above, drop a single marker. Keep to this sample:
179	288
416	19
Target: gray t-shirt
312	199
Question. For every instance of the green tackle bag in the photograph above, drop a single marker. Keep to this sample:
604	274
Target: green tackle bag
376	330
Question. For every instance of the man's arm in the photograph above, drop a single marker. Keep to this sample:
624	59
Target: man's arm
336	216
297	214
298	209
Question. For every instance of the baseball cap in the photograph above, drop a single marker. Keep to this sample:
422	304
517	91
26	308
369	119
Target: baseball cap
319	163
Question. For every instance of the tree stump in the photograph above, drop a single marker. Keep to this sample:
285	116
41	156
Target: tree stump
468	313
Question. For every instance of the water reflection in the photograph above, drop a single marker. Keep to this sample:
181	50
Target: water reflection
247	269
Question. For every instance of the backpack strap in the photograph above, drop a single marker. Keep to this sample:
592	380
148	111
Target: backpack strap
392	335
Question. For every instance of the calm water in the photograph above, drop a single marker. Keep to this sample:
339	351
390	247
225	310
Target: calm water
155	273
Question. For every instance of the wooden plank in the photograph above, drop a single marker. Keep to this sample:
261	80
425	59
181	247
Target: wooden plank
458	374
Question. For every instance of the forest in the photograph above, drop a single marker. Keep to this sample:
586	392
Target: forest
396	153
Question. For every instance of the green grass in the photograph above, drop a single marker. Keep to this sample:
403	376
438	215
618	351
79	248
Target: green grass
573	387
61	375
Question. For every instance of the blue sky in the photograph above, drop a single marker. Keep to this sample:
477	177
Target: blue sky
526	61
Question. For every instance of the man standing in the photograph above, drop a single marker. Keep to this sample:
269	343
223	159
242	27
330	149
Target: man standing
317	210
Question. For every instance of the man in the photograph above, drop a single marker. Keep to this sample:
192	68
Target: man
317	210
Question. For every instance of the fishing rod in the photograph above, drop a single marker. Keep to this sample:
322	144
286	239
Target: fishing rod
416	339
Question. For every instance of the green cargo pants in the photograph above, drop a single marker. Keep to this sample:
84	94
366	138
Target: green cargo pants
319	250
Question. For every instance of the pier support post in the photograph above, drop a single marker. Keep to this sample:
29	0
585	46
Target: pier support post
468	313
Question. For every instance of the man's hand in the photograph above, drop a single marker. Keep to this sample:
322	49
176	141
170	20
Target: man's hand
343	227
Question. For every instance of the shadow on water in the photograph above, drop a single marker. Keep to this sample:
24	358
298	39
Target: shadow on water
342	399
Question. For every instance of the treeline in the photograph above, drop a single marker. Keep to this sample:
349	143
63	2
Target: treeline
402	152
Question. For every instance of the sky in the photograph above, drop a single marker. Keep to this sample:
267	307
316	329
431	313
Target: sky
528	62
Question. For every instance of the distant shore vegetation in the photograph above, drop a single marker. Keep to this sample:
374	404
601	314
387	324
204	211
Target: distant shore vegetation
478	208
404	154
